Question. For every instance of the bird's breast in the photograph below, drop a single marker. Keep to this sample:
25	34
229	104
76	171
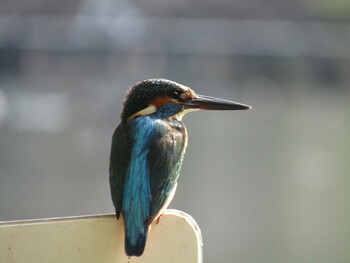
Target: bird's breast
166	153
176	133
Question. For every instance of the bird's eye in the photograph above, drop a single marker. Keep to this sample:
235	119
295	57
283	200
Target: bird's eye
174	94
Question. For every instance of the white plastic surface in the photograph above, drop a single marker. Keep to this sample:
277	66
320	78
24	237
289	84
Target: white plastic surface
98	238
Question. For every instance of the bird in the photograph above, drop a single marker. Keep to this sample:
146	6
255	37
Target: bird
147	152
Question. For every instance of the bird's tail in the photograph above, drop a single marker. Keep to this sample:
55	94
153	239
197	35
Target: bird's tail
135	242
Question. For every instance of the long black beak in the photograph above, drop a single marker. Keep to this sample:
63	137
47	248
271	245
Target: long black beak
210	103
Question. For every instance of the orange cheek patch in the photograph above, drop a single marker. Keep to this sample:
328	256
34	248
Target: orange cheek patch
160	101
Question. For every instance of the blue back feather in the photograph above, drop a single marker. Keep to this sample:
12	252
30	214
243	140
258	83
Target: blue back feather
136	201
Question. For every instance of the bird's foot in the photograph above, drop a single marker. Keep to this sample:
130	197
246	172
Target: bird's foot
158	218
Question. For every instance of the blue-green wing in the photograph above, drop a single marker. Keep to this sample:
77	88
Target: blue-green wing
165	160
119	162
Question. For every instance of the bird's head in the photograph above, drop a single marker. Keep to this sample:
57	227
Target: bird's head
167	99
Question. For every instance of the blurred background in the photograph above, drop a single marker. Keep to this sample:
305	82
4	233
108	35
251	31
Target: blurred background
267	185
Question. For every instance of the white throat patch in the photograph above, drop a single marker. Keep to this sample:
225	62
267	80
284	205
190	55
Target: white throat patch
179	116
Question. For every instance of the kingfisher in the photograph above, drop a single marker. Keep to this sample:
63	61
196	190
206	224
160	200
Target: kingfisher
148	148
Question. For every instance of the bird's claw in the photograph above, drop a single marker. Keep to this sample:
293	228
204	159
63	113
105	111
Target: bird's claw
158	218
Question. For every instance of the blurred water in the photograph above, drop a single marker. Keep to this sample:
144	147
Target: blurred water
266	185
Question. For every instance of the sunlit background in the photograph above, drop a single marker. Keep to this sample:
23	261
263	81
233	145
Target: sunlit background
267	185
